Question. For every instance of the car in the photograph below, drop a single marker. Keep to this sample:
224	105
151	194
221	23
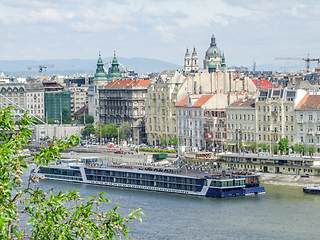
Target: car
119	152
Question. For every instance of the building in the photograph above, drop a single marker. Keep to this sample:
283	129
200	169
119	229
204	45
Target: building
275	115
14	94
124	101
35	100
56	99
161	114
78	97
307	115
191	119
241	118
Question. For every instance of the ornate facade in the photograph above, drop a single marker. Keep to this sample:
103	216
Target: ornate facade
124	101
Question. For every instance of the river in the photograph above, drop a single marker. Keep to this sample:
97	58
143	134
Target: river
282	213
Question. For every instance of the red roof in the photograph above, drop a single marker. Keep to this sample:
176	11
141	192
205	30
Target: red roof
200	100
129	83
264	83
309	102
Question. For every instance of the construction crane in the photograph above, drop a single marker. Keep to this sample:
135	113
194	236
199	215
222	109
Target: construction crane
307	60
41	67
44	67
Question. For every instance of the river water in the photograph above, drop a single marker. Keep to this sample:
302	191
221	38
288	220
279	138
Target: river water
282	213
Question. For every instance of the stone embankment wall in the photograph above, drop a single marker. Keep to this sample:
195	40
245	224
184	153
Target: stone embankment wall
289	180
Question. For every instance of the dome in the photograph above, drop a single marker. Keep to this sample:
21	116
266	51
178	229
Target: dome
213	50
212	65
100	74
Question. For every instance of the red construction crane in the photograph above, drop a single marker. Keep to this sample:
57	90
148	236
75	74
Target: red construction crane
307	59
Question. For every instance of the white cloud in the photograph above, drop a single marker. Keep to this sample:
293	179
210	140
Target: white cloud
161	29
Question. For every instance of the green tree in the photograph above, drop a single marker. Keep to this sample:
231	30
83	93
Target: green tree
264	147
66	117
174	141
112	130
89	119
87	130
311	150
125	128
229	145
283	145
299	148
64	215
275	148
51	121
101	130
163	140
252	146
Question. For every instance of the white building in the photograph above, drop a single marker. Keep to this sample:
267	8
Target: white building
191	120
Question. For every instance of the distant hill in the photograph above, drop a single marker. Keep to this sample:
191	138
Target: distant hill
81	66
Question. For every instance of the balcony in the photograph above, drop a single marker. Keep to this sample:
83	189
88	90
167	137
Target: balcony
275	113
310	132
300	121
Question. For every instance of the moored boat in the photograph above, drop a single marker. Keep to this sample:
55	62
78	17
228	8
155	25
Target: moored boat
313	190
90	171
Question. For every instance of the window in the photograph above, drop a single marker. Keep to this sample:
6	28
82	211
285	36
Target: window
310	117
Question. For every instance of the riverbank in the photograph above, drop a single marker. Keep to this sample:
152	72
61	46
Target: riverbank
289	180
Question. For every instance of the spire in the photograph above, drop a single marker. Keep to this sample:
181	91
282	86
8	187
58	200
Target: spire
213	41
223	61
100	74
187	53
194	51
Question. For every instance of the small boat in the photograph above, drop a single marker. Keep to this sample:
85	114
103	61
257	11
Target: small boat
313	190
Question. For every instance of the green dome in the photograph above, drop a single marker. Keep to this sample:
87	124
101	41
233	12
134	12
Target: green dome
213	50
100	73
212	65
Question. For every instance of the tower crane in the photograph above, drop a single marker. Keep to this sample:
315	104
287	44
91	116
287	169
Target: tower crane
307	60
41	67
44	67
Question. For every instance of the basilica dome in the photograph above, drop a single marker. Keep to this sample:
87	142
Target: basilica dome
213	50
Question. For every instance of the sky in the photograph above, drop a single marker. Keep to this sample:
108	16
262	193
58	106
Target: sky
245	30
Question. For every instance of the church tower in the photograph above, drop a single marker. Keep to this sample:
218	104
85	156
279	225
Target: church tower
213	54
187	61
194	62
114	70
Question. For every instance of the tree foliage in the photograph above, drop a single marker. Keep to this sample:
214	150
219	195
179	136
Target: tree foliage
87	130
311	150
64	215
125	128
89	119
299	148
264	147
283	145
163	140
66	116
174	141
112	130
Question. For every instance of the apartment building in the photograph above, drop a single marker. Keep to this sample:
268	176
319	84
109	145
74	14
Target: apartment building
275	115
161	114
